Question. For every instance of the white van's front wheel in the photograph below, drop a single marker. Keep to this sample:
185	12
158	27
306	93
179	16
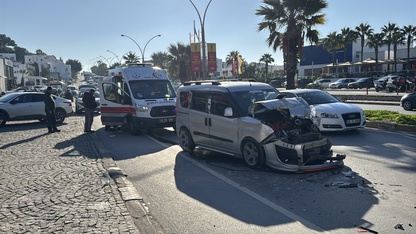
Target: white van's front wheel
132	128
185	140
253	154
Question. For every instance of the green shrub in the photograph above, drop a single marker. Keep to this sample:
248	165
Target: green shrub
390	116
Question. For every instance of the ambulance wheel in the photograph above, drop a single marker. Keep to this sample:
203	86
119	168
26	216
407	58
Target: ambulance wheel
133	129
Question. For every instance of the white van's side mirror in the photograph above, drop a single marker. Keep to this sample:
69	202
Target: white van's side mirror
228	112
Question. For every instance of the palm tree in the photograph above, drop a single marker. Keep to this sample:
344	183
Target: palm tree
290	23
375	40
331	43
397	38
409	32
363	30
388	31
266	58
347	37
131	57
160	59
180	60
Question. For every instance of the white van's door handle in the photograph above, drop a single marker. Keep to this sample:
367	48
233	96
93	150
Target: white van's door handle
104	104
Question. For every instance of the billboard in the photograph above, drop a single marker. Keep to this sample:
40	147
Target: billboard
212	57
196	64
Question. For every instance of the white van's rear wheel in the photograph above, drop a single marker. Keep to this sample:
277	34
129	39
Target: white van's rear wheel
185	140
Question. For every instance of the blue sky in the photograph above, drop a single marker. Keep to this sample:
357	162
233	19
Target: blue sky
86	29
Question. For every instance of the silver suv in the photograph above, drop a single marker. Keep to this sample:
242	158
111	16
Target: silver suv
252	121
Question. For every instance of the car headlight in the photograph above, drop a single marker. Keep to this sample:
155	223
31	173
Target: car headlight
142	108
329	115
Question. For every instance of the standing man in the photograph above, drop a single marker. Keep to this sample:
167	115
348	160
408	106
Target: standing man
89	103
50	111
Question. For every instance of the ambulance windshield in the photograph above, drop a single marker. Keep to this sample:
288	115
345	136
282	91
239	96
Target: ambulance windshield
152	89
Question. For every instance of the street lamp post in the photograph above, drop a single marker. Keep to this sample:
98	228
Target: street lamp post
202	21
144	49
119	60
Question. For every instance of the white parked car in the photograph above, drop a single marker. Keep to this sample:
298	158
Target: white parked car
341	83
30	106
329	113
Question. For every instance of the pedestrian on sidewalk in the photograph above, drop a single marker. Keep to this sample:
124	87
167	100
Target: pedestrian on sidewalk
89	103
68	95
50	111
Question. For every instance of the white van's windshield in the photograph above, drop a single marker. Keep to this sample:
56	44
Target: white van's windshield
152	89
247	97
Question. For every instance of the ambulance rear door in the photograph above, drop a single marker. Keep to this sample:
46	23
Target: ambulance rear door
115	103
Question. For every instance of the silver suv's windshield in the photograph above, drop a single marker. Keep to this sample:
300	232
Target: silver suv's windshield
245	98
9	97
152	89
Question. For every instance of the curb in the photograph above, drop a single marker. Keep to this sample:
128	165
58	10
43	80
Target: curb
142	218
391	126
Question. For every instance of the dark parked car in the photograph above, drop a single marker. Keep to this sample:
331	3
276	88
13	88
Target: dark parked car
303	82
362	83
408	101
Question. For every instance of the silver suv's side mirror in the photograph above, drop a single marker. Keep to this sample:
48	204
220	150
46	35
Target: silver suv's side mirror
228	112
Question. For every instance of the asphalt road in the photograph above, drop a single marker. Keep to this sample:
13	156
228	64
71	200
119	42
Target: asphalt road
219	194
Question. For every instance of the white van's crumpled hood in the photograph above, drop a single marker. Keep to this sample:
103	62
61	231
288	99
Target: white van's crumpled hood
297	107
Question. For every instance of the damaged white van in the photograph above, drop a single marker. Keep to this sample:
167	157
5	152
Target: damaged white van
137	96
248	120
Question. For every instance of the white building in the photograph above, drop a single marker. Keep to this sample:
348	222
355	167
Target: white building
316	62
58	70
6	74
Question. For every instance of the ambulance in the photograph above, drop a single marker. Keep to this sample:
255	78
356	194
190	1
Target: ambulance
137	97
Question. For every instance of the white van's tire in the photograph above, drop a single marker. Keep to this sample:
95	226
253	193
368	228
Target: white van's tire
133	129
185	140
253	154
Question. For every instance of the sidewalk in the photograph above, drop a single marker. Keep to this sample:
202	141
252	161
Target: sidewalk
57	183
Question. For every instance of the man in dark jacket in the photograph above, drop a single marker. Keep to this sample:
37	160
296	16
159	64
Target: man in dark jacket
89	103
50	111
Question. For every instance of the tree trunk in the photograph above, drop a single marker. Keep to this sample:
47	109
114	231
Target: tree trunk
291	70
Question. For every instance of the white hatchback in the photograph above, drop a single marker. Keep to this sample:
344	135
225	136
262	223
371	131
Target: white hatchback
30	106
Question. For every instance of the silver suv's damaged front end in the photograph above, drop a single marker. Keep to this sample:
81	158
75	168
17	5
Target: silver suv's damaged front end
296	144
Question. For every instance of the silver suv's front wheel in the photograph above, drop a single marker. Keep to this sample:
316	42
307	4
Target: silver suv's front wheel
185	140
253	154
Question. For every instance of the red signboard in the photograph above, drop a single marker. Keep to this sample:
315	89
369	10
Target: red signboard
212	57
196	64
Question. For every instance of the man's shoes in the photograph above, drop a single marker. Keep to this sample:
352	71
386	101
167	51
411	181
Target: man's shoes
50	131
56	130
89	130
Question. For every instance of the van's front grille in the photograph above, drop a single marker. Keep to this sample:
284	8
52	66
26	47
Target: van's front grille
162	111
